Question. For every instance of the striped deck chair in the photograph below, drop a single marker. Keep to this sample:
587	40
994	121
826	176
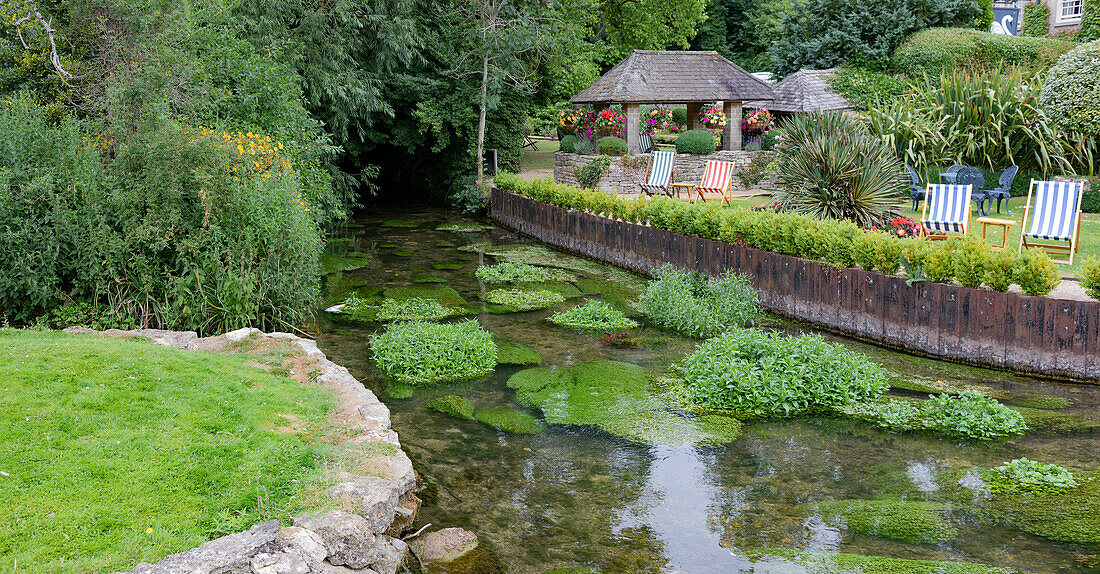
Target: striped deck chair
660	173
947	209
1056	217
645	143
716	180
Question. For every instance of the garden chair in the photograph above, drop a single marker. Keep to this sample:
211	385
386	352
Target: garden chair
716	179
529	143
947	209
916	190
1003	191
645	143
948	175
660	173
1056	217
973	177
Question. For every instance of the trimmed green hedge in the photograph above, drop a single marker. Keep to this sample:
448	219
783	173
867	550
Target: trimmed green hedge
695	141
569	144
786	233
1035	19
1071	91
939	49
611	145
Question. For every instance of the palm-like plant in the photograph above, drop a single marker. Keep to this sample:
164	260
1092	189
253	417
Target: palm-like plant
832	167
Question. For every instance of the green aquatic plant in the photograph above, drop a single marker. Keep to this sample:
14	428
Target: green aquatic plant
464	227
445	295
593	315
509	353
523	300
425	278
515	272
349	261
396	390
971	414
398	223
510	420
893	415
453	405
1068	516
842	563
448	265
445	244
619	399
402	252
420	352
414	309
698	306
764	374
1051	423
1028	476
915	522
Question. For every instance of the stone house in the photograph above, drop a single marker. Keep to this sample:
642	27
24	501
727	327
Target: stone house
1065	15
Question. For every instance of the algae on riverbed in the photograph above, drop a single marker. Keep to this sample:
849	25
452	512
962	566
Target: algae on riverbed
916	522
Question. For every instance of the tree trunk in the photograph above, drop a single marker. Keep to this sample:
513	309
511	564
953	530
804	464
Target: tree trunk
481	118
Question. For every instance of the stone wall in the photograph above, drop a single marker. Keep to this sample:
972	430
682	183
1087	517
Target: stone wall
620	178
375	507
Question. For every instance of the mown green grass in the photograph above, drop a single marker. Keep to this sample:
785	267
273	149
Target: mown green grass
540	158
122	451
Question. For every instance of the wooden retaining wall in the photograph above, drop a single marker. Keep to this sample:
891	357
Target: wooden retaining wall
1051	337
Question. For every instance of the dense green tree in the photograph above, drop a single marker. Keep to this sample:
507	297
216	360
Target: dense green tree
741	30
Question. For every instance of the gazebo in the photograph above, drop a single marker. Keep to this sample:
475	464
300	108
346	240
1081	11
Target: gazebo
668	77
805	91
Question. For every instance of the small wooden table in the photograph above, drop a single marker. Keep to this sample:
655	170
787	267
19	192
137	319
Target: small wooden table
1004	224
688	186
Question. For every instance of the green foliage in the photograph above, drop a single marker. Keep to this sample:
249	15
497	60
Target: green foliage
453	405
509	353
950	50
1089	275
699	142
611	145
569	144
398	223
741	30
510	421
1000	270
863	87
832	167
129	415
1071	90
1028	476
414	309
516	272
971	259
764	374
757	169
1071	516
84	313
1090	22
445	295
417	352
594	315
985	16
973	415
915	522
860	32
834	563
696	305
1035	18
1036	274
680	116
523	300
590	174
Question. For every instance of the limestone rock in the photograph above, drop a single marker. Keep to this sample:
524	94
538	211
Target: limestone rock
393	554
230	554
297	551
444	545
371	497
347	537
404	517
241	334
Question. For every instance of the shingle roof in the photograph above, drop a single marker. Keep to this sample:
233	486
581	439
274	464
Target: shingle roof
805	91
667	77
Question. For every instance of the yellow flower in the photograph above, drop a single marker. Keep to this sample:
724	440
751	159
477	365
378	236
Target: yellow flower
148	530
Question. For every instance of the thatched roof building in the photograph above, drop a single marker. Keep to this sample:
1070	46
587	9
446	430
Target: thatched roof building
805	91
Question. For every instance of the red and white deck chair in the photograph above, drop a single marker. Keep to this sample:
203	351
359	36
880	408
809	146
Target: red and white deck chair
716	180
1055	216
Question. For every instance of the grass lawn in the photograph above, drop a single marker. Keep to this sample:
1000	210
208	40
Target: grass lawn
120	451
542	158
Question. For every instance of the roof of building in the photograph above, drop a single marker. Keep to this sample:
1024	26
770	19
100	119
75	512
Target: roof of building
805	91
670	77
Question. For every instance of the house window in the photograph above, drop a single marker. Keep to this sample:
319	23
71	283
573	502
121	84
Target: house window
1071	10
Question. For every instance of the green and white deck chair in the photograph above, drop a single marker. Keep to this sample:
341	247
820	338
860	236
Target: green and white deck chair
660	173
946	209
1056	217
645	143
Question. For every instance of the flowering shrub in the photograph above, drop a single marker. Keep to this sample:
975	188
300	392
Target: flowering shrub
904	226
713	118
259	155
756	122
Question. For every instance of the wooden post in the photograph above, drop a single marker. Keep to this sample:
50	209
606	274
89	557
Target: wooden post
633	125
693	109
731	135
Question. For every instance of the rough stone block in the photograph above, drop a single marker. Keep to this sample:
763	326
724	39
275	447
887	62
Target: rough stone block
444	545
393	552
371	497
230	554
347	537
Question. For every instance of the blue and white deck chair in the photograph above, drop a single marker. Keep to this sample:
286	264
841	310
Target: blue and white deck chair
946	209
645	143
660	173
1055	217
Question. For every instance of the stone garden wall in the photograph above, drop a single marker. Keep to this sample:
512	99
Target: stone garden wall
625	173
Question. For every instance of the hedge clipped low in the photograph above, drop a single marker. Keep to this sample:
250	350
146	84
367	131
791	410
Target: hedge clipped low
418	352
696	305
1090	277
787	233
611	145
695	141
569	144
947	49
1071	90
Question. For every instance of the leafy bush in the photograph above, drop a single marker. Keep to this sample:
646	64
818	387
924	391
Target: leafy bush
699	142
611	145
864	86
971	414
971	260
680	116
593	315
1000	270
959	49
453	405
589	175
1071	90
517	272
1030	477
915	522
1090	22
418	352
765	374
985	17
1089	275
1035	18
569	144
755	172
696	305
832	167
524	300
1036	274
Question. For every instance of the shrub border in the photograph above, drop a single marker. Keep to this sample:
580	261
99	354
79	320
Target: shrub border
1040	335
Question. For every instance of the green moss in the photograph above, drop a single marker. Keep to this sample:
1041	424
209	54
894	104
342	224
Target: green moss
398	223
618	398
1052	423
518	300
445	244
515	272
1023	399
1073	516
832	563
454	405
562	288
340	286
446	296
510	420
403	252
389	246
509	353
396	390
915	522
464	227
347	262
448	265
425	278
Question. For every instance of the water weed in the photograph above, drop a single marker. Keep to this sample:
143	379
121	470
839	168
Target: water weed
1028	476
695	305
420	352
593	315
523	300
515	272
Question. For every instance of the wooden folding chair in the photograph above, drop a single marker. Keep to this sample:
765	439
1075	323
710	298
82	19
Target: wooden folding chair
946	209
1056	217
660	173
716	180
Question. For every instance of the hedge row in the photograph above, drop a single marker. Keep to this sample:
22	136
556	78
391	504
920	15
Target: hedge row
969	261
937	49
